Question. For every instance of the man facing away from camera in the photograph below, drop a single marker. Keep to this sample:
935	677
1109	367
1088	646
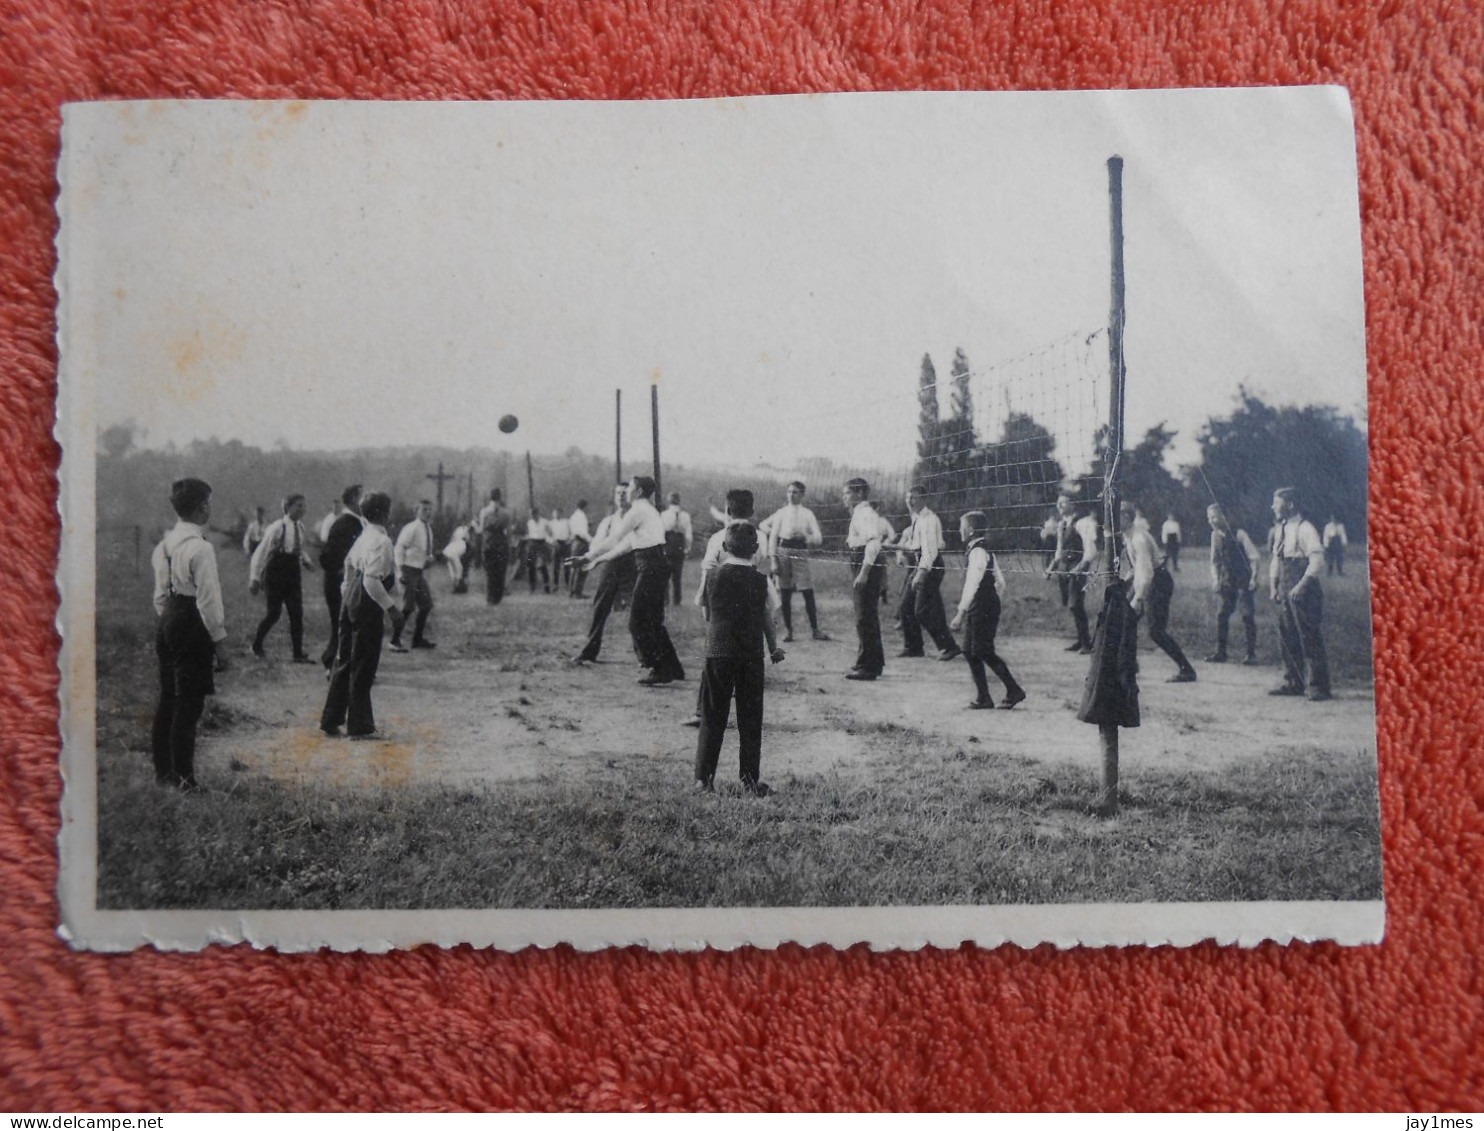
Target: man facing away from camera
493	524
1151	591
338	540
190	640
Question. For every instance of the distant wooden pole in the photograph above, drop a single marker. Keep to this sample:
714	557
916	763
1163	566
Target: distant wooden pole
618	435
530	484
654	428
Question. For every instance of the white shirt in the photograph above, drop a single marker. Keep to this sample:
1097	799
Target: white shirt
375	558
458	543
1087	529
926	537
561	529
980	560
865	532
537	530
325	524
714	554
642	523
1333	531
414	548
793	520
673	518
1140	553
1171	528
1296	538
580	528
283	536
253	534
186	562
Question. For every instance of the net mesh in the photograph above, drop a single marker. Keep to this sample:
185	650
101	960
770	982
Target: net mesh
1005	439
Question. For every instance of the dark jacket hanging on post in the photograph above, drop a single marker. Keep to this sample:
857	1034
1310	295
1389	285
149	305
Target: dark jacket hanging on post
1111	696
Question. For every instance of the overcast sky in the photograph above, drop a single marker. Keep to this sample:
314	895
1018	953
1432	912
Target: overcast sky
338	275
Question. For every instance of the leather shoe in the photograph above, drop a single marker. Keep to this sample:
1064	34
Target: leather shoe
908	654
1216	658
950	654
860	676
981	704
1012	698
1286	689
820	635
1186	676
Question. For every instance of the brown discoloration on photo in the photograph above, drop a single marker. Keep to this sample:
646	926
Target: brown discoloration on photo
295	111
195	355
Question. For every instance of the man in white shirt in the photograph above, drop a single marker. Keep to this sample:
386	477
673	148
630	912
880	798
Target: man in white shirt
190	640
537	547
412	556
678	539
252	537
1234	560
1335	540
616	578
559	539
864	542
922	597
1074	560
277	569
337	508
641	528
1169	536
366	602
493	525
792	530
1293	579
582	538
1151	589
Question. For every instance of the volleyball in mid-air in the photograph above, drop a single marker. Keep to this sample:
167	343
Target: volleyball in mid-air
508	423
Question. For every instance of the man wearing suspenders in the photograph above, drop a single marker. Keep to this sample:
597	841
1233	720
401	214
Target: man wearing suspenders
1293	578
190	640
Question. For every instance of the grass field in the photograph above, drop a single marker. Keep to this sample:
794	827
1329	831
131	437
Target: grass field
512	780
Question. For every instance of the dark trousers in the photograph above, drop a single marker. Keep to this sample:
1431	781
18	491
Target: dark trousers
1157	612
1172	553
983	624
1334	558
675	560
283	583
647	615
1227	601
415	594
559	554
618	577
535	559
787	596
869	658
579	575
496	564
1073	588
334	578
724	678
922	608
186	658
1305	663
348	702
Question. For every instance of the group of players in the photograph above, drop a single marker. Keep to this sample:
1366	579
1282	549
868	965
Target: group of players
748	574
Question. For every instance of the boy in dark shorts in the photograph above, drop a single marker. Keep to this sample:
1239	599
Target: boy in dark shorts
980	608
740	625
191	635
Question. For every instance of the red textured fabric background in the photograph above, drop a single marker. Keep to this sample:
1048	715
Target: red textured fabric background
1398	1026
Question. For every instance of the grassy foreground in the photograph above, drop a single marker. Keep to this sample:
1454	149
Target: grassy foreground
981	828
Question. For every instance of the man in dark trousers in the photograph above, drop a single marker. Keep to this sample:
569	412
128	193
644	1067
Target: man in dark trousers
869	570
494	537
922	597
339	539
678	538
1072	563
740	624
367	603
616	579
1151	589
277	570
413	554
1293	578
190	640
1234	560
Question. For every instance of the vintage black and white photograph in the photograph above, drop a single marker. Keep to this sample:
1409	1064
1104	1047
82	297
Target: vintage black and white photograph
891	518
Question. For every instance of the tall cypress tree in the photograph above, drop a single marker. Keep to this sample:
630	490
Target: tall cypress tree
927	410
